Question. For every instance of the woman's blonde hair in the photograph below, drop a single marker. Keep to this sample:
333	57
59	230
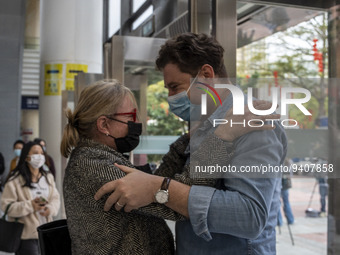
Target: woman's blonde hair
101	98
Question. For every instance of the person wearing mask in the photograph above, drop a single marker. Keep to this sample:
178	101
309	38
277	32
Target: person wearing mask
31	193
104	126
17	147
237	215
49	165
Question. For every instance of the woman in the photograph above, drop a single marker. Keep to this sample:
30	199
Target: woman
102	127
31	193
49	164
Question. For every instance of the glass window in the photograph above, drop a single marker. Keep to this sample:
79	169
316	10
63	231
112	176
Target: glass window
142	17
114	16
136	4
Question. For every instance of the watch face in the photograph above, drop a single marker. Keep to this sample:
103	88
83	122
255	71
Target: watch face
162	196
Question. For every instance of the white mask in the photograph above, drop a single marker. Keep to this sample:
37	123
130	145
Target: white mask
37	160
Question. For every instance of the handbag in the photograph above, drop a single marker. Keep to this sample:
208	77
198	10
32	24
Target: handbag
10	233
54	238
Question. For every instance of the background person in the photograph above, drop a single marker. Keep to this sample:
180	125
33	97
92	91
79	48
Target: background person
17	147
322	180
286	185
238	215
32	196
49	160
323	191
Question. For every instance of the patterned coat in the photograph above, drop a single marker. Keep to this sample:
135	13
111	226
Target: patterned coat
94	231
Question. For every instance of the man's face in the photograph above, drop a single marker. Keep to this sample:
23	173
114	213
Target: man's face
175	80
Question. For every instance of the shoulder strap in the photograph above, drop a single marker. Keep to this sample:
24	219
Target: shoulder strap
6	211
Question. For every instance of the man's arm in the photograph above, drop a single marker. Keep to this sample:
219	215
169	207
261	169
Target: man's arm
242	209
174	160
178	199
128	188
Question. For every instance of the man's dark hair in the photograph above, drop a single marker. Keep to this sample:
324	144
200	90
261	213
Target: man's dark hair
18	142
190	52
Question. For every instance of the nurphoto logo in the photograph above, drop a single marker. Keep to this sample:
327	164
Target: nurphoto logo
239	105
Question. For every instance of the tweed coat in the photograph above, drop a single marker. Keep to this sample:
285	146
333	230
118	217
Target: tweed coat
94	231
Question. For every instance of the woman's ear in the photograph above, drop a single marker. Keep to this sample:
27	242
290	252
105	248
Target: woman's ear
102	125
207	71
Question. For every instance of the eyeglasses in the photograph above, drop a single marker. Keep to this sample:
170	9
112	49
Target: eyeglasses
133	114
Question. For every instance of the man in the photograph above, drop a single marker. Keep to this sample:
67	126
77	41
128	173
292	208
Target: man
238	215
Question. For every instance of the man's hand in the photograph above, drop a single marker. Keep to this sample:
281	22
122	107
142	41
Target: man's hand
133	191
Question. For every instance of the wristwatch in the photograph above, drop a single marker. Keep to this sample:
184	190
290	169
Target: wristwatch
162	195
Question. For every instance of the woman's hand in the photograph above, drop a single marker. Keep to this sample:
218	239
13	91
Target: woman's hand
229	132
45	211
36	204
133	191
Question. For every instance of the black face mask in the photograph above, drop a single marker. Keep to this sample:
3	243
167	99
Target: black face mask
131	141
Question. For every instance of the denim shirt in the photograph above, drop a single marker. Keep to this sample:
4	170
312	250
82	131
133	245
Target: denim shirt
241	218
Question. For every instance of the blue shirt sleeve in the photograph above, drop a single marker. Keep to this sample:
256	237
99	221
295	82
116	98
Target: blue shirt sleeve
242	209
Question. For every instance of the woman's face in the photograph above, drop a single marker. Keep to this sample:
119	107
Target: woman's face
119	129
35	149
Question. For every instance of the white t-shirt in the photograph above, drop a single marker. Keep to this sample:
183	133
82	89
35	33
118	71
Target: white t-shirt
40	189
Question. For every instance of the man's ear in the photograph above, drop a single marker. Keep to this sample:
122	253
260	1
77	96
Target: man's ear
102	125
207	71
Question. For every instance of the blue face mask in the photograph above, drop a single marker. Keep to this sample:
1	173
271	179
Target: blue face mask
181	106
17	152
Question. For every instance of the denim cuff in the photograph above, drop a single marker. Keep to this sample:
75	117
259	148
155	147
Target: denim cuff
198	207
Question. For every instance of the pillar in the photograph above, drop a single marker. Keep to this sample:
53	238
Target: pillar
29	124
71	39
334	130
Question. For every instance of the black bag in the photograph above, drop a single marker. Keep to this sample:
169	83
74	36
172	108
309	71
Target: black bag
10	233
54	238
2	164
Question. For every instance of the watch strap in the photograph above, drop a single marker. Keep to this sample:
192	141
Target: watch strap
165	183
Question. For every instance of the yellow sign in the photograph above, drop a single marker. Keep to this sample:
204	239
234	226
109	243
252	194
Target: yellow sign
69	85
52	87
53	71
53	79
71	71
